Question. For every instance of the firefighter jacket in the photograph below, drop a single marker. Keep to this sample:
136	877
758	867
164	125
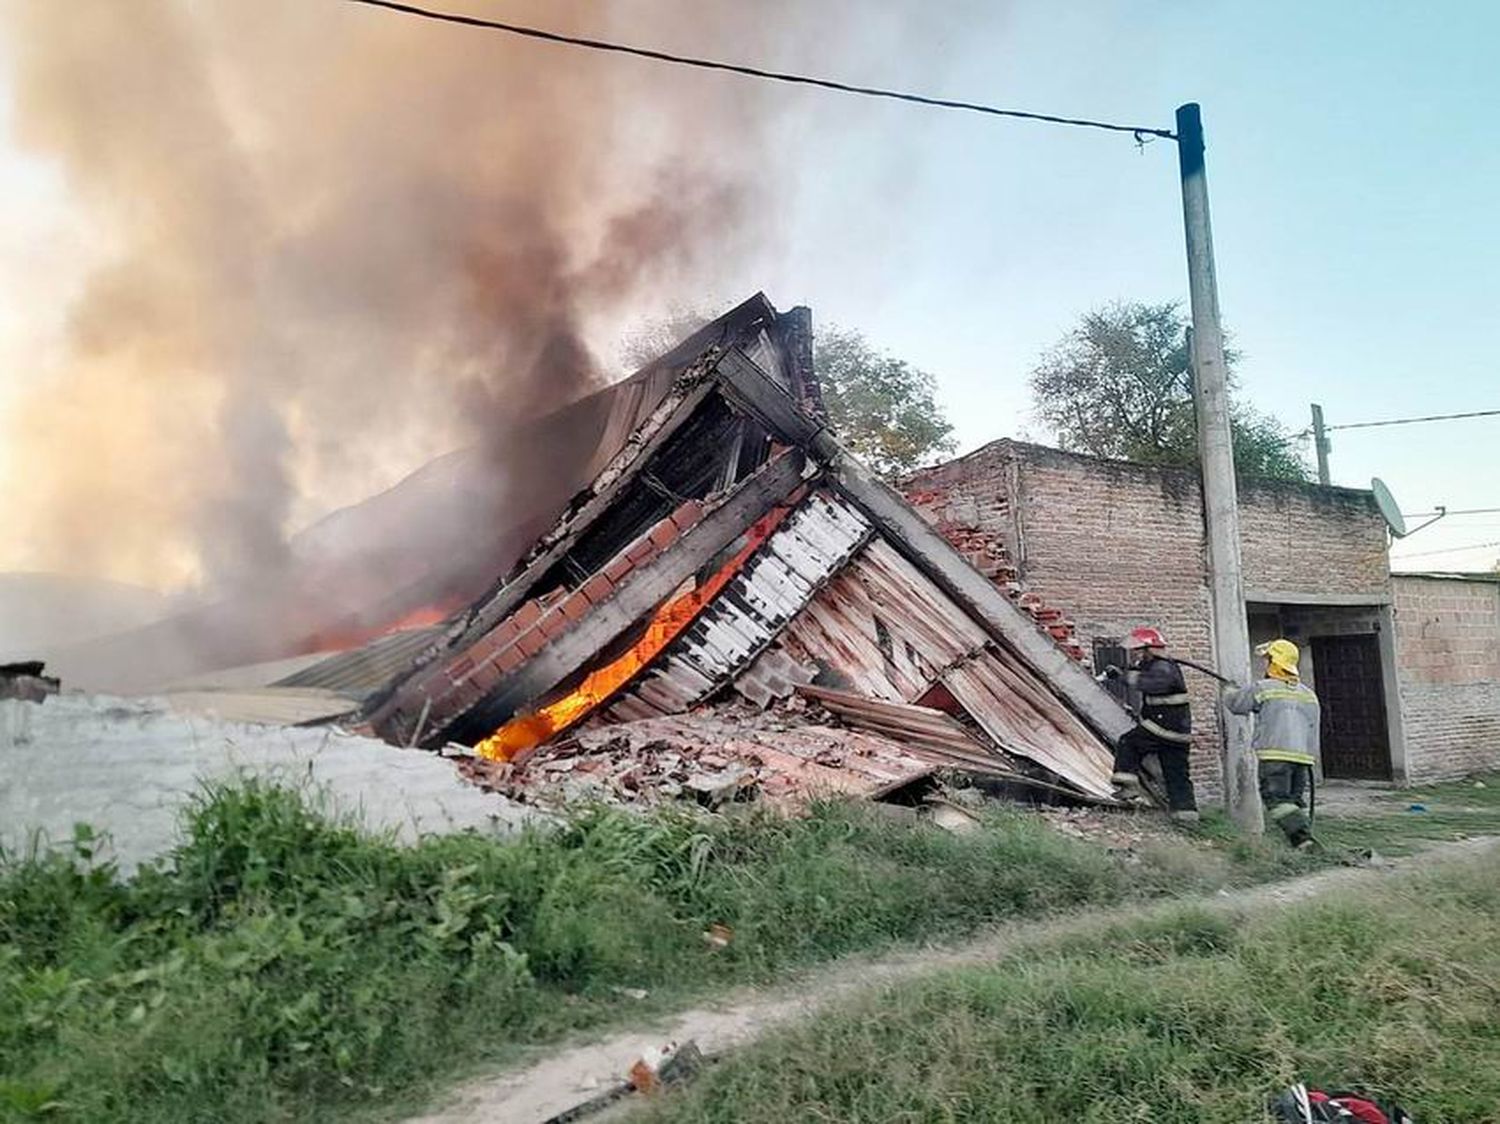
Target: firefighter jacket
1164	700
1286	719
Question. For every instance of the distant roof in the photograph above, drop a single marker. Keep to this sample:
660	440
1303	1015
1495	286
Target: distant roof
1490	577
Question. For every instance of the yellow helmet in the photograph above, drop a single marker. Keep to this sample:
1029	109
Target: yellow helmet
1283	654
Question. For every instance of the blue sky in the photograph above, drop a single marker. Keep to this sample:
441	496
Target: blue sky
1353	169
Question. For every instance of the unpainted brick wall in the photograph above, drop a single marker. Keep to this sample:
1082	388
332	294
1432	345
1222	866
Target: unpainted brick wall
1448	664
1119	546
1116	545
1303	538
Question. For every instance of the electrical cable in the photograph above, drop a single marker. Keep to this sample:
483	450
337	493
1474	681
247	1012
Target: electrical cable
1449	550
1139	132
1412	421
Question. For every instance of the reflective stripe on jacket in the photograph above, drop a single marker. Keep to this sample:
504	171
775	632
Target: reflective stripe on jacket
1286	719
1164	699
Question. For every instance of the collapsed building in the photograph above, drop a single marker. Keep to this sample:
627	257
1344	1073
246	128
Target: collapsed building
725	557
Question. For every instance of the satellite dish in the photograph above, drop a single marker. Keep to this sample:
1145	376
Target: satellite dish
1388	507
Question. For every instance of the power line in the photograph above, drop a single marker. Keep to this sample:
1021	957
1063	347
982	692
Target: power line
1449	550
1406	421
1445	512
1136	131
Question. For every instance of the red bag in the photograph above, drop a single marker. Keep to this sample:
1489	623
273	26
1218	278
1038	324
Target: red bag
1366	1112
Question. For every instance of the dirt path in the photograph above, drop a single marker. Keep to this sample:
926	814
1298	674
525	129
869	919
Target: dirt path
573	1075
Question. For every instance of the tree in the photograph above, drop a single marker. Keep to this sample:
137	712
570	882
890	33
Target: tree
883	409
1118	386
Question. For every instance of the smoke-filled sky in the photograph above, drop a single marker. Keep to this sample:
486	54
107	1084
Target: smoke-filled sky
302	247
260	257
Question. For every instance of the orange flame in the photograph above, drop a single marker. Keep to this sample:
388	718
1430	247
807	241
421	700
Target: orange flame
528	730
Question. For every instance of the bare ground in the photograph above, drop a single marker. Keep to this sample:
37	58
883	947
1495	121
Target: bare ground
567	1077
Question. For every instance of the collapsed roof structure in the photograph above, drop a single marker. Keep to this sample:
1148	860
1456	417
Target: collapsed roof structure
726	547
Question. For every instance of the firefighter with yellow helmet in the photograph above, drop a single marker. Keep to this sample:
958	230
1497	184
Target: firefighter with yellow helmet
1287	723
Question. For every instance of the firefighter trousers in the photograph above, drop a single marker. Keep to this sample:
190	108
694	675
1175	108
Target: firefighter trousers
1172	757
1283	791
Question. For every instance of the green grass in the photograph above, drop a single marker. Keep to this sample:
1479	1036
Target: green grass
1193	1017
280	966
1456	810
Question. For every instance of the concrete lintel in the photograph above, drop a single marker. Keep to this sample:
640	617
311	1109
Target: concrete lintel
637	594
1332	600
936	557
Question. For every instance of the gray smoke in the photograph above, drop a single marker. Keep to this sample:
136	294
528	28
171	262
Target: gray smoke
335	242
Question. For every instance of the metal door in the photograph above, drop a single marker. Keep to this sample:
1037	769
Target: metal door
1356	743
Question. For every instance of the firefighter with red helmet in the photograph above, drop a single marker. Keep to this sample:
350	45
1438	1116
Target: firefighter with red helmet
1164	725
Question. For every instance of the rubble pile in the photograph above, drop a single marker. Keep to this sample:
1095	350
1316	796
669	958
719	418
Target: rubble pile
709	757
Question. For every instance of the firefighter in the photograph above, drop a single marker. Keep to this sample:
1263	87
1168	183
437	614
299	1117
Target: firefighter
1287	722
1164	726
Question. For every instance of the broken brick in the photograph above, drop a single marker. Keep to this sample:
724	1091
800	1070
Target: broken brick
663	535
524	617
597	588
509	659
687	514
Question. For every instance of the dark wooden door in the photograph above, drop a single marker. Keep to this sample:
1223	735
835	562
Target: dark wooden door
1356	744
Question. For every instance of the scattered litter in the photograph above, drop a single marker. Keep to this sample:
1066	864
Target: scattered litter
718	936
1417	808
1480	784
668	1065
631	992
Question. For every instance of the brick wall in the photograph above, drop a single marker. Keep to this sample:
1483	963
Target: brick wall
1448	665
1115	545
1303	538
1119	546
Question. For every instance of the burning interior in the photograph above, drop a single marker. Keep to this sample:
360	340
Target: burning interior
732	602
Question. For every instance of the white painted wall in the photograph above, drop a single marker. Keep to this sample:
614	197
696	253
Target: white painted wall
129	766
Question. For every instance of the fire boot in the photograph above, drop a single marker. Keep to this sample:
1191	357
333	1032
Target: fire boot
1128	789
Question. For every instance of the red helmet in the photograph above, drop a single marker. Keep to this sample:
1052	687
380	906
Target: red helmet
1145	638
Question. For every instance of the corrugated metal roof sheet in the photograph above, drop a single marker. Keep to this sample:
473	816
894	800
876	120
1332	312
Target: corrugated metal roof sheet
884	627
360	672
1024	717
888	633
807	549
264	706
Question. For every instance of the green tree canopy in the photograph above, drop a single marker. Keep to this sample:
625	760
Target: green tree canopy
1118	385
883	409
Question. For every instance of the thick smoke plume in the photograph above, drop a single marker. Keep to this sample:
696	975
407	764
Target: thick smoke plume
332	243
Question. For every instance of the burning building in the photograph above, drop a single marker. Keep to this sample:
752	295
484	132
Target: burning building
722	554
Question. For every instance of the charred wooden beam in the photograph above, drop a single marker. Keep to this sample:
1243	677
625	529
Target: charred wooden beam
754	391
638	593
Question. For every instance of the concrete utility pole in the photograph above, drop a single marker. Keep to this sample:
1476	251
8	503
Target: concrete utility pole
1321	443
1216	453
